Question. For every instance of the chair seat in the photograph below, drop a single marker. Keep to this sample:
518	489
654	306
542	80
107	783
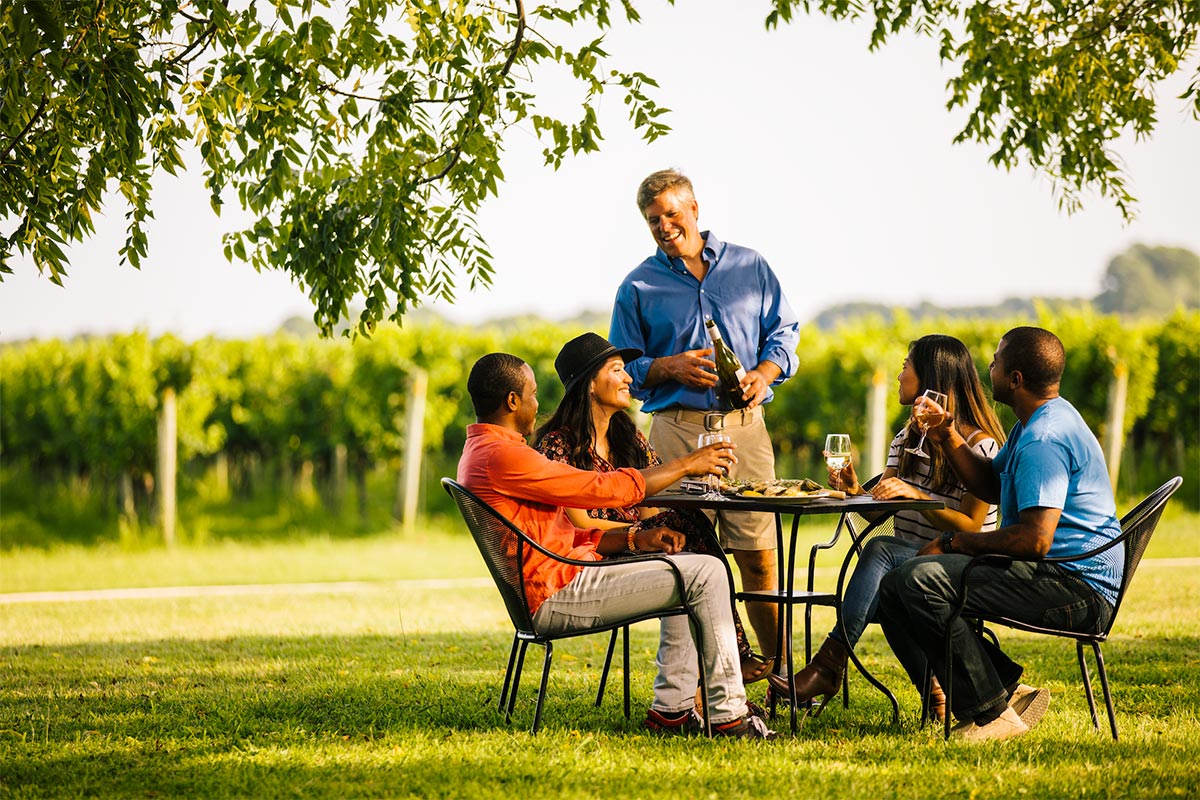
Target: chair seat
1019	625
796	596
534	637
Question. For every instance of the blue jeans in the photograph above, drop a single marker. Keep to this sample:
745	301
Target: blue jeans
881	555
917	598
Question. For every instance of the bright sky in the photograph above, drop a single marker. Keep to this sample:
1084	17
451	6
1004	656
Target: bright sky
836	163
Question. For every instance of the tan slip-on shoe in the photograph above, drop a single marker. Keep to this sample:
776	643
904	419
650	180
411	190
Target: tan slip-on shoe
1030	703
1005	726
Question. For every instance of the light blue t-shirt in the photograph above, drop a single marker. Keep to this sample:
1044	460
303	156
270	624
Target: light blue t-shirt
1054	461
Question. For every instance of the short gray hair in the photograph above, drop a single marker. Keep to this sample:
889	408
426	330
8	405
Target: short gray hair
658	182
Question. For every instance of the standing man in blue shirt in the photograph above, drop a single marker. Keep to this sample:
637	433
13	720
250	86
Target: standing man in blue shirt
1055	499
660	309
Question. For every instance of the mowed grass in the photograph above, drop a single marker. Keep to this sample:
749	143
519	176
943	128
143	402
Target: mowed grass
387	688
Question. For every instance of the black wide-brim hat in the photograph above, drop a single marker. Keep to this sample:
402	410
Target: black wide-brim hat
584	353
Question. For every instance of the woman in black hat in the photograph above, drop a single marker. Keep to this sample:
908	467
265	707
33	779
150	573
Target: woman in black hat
590	429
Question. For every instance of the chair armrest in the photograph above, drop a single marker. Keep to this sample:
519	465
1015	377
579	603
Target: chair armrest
1002	560
524	538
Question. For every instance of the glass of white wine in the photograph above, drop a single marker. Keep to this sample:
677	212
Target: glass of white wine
707	438
926	418
837	451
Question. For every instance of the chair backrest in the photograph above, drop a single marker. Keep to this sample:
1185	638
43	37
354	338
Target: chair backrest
500	544
859	524
1137	527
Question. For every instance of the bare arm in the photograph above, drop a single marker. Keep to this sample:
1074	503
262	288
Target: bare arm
580	519
1030	537
974	470
645	540
969	517
713	459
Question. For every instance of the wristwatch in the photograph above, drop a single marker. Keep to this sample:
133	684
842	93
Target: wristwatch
947	541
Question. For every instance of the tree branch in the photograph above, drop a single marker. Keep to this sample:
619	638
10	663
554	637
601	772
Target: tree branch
202	39
456	152
16	139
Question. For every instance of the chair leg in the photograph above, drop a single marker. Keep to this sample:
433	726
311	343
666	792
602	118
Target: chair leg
508	673
512	697
1112	716
625	666
1087	684
927	696
612	644
705	712
948	687
541	698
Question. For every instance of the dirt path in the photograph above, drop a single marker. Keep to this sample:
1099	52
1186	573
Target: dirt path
161	592
343	587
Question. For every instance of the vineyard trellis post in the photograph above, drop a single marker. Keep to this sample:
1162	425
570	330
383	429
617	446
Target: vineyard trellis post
165	481
409	488
875	447
1114	434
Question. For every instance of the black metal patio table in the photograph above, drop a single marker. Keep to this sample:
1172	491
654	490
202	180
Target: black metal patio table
786	594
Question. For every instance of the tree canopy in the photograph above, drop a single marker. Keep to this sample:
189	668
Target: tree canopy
1151	280
364	136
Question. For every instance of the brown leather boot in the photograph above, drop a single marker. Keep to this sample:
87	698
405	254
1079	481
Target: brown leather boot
937	700
822	676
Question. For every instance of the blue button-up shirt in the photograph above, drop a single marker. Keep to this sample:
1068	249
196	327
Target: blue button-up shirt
660	309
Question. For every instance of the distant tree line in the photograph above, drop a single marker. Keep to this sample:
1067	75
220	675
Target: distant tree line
1143	280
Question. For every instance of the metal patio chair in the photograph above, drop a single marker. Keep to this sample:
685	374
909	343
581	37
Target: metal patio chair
1136	529
504	547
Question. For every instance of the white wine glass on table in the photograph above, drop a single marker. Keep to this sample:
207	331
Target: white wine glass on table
837	452
713	437
926	417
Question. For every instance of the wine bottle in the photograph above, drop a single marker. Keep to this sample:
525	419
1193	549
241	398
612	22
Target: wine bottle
729	370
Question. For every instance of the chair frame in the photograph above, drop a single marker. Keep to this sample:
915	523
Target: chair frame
1136	529
871	529
512	589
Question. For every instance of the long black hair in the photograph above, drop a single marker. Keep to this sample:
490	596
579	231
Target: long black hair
574	418
944	364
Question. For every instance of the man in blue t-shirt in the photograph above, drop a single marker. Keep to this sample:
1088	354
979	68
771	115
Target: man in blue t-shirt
1055	499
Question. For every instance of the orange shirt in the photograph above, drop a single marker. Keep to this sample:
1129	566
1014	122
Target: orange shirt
531	491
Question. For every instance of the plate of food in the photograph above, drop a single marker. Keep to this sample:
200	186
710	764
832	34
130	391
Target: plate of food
788	489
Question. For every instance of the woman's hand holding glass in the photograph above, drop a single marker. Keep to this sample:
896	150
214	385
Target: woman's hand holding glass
929	410
839	462
937	419
718	445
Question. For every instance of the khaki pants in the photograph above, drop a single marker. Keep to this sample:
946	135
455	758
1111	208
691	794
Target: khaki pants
676	433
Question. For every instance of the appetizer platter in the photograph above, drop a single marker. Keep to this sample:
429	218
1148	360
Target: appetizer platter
779	488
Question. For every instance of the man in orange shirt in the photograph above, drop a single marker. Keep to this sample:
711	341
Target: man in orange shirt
530	490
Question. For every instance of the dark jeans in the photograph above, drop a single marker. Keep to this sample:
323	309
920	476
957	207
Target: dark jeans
917	598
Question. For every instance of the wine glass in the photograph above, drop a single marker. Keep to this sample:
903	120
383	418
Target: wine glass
707	438
926	418
837	451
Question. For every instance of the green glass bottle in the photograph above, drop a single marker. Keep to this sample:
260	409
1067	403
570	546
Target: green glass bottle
730	372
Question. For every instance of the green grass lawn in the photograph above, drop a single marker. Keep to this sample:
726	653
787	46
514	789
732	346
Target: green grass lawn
385	688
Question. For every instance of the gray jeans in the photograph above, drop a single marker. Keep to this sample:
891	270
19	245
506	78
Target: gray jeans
917	598
611	594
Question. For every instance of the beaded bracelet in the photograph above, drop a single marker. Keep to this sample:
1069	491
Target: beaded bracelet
630	532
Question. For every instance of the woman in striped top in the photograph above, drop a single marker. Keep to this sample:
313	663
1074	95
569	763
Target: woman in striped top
935	362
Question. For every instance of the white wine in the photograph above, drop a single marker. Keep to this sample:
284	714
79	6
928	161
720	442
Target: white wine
837	462
730	372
